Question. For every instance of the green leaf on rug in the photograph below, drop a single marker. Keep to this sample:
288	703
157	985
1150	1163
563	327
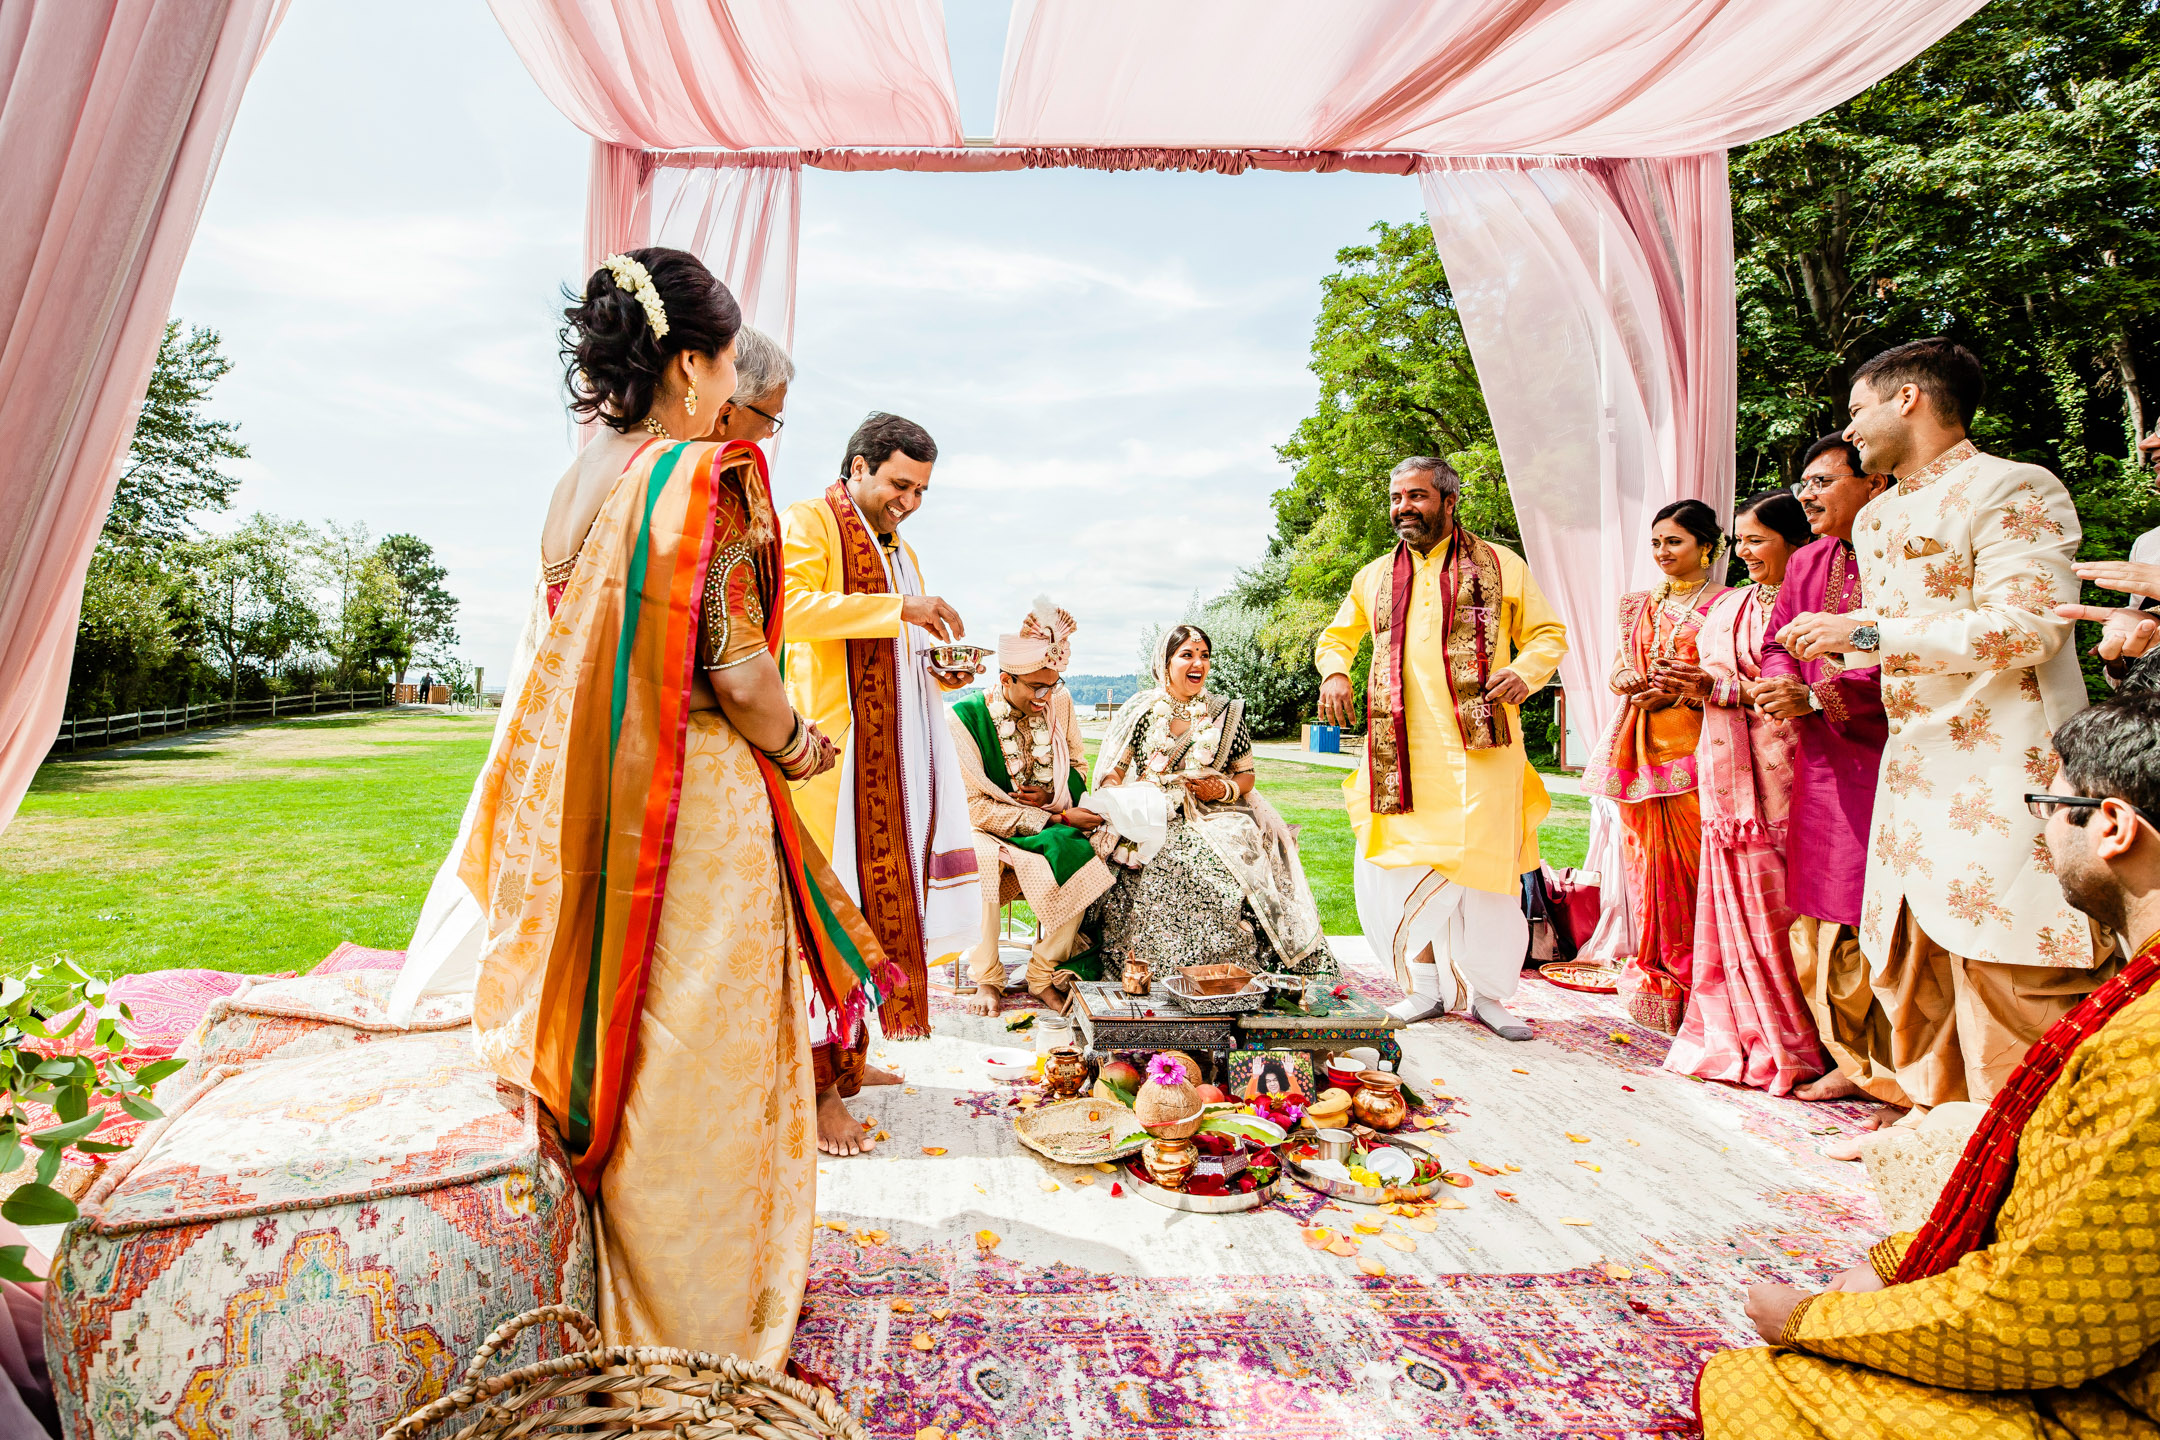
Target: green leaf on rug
38	1204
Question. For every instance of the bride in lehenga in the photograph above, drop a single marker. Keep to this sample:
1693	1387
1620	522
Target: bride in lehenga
1210	872
647	908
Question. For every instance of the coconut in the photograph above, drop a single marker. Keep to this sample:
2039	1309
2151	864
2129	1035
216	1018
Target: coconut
1168	1105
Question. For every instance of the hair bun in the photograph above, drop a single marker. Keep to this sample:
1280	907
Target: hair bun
613	361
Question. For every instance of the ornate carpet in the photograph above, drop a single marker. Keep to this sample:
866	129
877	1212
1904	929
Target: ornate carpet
963	1285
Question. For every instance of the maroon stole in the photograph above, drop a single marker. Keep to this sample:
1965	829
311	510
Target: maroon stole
1964	1216
881	858
1470	589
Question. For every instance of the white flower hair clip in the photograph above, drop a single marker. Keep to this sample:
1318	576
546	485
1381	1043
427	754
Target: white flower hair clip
636	279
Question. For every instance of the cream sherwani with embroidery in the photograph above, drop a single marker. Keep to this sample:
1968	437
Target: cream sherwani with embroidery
1962	564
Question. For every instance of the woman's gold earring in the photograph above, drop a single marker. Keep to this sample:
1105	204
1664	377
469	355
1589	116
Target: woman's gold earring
689	401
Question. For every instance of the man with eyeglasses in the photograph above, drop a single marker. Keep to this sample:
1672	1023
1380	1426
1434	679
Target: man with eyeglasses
2028	1304
1020	750
1837	719
763	372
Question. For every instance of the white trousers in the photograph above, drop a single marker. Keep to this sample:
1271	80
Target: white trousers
1478	939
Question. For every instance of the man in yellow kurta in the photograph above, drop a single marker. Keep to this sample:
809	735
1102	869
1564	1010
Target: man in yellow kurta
1445	806
892	817
2028	1305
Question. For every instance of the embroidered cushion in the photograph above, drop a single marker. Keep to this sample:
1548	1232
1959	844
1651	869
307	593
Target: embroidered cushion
309	1245
290	1017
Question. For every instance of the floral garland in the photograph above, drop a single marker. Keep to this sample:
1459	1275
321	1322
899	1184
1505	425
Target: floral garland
1205	732
1024	763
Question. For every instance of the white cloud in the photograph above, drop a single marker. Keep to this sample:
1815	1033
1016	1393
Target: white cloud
1106	360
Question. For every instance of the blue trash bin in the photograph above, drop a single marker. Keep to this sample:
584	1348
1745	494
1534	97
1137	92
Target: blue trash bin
1326	740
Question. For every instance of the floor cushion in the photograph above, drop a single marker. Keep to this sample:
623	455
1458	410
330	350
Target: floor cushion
311	1242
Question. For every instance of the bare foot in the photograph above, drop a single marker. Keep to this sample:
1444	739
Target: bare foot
877	1075
838	1132
987	1000
1849	1148
1836	1085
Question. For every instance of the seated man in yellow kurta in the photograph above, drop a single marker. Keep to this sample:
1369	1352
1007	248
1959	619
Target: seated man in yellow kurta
1446	806
2028	1305
892	817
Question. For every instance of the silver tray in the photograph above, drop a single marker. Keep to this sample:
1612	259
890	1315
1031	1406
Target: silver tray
1237	1002
1364	1194
1205	1204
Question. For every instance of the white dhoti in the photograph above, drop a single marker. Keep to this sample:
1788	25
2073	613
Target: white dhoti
1478	938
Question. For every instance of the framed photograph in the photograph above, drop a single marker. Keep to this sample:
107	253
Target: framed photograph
1256	1073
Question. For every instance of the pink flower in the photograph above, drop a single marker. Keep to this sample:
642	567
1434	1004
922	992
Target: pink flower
1167	1070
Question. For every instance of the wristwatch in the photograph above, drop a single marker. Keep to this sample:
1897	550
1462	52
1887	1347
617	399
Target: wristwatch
1864	638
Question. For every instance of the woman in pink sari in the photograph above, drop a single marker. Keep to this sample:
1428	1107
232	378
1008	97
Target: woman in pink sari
1646	762
1746	1020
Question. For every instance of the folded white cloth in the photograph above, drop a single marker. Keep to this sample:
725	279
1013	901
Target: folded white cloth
1138	812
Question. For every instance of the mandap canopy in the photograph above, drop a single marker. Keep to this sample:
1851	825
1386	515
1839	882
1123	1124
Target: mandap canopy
1571	154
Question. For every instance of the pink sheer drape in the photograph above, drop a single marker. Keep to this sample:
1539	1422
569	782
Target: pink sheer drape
1472	77
113	114
1597	298
744	222
676	74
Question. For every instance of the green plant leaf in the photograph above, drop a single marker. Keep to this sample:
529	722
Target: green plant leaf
14	1266
140	1108
60	1135
72	1103
38	1204
75	1020
99	1147
11	1154
157	1070
48	1166
57	1068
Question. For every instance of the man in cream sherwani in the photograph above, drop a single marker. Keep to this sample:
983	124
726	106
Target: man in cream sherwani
1973	949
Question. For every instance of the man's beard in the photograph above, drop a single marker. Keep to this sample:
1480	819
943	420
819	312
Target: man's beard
1415	529
2091	889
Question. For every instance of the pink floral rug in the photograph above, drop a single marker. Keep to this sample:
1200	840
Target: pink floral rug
964	1285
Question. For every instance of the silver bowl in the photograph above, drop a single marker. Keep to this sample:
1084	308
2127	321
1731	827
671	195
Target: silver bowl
1366	1194
1205	1204
958	657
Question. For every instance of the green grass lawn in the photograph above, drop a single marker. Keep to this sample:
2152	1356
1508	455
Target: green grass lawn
258	851
262	850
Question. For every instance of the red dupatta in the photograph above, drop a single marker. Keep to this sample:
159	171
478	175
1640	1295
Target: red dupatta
1965	1213
1470	620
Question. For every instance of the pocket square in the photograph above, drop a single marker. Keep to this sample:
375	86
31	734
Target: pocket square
1921	549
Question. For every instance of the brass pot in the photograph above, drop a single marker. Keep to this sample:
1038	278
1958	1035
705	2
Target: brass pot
1170	1162
1065	1074
1379	1102
1138	979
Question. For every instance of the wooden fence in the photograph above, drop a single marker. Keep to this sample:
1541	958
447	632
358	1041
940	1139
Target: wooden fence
95	730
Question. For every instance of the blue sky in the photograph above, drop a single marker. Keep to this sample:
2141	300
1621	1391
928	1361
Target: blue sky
1107	361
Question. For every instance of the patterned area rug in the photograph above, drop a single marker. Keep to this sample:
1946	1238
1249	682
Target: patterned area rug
965	1284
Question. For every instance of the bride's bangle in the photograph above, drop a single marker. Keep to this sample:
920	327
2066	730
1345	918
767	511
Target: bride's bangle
803	753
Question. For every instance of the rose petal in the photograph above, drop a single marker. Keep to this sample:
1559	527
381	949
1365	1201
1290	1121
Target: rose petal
1571	1220
1399	1242
1344	1246
1507	1195
922	1341
1445	1202
988	1239
1318	1237
903	1307
1578	1139
1591	1165
1427	1224
933	1149
1457	1179
1364	1229
1482	1168
1371	1266
940	1314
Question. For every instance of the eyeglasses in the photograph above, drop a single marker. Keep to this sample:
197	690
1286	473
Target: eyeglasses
777	423
1036	690
1818	482
2040	801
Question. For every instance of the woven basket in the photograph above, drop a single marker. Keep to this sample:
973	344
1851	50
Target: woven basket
1063	1131
627	1390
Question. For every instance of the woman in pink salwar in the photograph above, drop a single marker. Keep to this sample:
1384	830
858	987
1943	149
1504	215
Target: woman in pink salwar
1746	1020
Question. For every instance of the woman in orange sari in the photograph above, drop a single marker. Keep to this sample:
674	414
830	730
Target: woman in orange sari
653	912
1646	762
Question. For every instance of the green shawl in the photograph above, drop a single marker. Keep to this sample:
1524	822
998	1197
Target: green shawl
1065	848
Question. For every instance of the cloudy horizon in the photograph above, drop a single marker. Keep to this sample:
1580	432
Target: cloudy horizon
1107	360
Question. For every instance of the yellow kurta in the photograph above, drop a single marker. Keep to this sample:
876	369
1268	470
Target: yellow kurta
820	619
1474	814
2051	1330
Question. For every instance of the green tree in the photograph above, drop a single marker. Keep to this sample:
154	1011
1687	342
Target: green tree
127	632
428	610
252	597
174	457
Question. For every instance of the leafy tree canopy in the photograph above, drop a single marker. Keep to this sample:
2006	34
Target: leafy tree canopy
172	469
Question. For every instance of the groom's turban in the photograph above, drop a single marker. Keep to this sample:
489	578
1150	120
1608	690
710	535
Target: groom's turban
1042	643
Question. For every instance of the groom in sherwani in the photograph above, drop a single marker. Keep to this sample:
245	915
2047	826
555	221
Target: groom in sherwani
1973	949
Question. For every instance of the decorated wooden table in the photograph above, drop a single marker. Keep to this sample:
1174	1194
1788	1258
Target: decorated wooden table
1111	1021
